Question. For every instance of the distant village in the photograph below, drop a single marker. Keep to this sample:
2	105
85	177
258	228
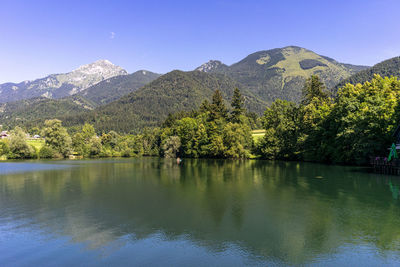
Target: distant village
6	134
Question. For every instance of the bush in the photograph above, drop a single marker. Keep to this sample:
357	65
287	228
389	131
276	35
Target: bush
3	148
46	152
95	146
127	153
106	153
171	146
18	147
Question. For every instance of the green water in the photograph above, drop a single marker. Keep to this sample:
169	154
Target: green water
153	212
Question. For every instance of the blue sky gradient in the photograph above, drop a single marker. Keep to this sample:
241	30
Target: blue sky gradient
40	37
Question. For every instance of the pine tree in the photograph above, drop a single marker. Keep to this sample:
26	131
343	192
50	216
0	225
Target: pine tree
313	87
205	106
237	105
218	108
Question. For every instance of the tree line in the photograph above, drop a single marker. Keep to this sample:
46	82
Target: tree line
210	131
82	143
356	123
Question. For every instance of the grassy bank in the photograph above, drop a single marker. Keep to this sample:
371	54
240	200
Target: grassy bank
37	143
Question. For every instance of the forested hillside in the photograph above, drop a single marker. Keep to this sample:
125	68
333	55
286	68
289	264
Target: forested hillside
32	111
387	68
280	73
114	88
172	92
36	110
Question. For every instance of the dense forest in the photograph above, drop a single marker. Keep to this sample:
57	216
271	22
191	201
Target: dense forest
121	85
210	131
150	105
31	112
387	68
137	109
357	123
349	127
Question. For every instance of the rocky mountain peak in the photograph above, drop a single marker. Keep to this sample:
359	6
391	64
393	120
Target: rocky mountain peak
61	85
211	66
103	67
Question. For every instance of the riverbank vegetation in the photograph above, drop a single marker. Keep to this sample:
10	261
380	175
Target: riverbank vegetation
356	123
211	131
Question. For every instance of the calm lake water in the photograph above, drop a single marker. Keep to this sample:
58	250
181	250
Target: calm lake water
153	212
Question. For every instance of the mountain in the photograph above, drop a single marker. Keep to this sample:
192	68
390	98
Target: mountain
127	103
170	93
281	72
213	66
113	88
390	67
61	85
29	111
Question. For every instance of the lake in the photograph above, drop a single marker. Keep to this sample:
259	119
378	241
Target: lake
153	212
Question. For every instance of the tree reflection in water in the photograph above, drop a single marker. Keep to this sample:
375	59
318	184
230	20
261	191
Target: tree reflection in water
292	212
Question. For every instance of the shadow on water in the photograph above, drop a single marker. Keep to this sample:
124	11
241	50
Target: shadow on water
285	212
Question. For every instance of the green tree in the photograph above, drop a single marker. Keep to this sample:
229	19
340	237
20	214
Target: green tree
114	136
95	146
88	131
150	139
79	144
237	105
313	88
18	147
57	137
281	122
110	139
186	129
4	149
201	141
217	147
171	146
237	140
312	124
217	107
205	106
362	120
46	152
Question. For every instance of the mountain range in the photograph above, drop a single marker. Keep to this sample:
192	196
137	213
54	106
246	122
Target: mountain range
390	67
33	110
170	93
114	88
61	85
281	72
129	102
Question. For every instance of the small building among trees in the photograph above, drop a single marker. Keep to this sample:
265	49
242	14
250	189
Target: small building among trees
4	134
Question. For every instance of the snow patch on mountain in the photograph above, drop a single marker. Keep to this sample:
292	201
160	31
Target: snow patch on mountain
211	66
61	85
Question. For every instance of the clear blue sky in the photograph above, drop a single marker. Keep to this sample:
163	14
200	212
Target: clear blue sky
42	37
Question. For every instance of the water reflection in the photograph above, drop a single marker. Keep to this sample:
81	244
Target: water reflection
258	211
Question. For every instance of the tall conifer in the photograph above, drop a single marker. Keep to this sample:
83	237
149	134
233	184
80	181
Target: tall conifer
237	105
218	108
